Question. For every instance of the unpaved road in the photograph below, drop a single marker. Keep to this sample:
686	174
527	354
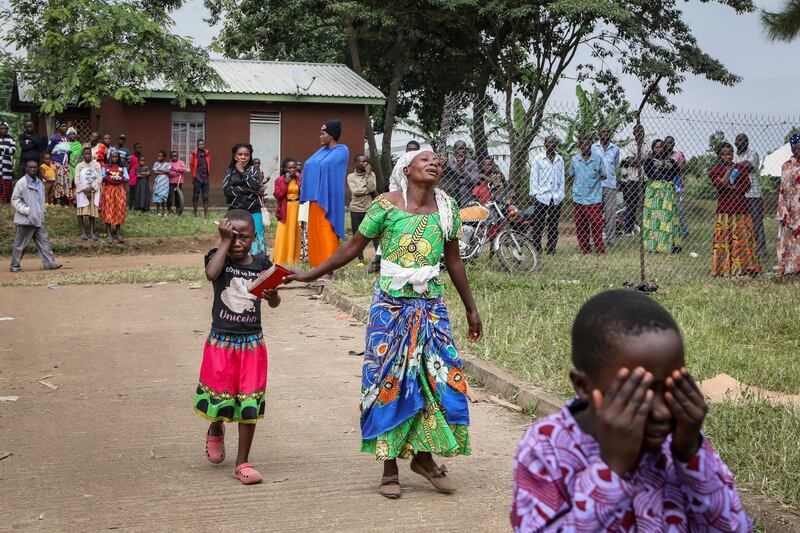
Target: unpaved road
118	447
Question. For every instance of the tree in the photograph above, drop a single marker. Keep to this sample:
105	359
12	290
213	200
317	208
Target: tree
783	25
593	111
531	47
409	50
83	51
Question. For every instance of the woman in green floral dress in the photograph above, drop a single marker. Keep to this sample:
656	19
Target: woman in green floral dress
413	391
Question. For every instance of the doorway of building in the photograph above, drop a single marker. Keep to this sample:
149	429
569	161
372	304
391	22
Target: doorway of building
265	136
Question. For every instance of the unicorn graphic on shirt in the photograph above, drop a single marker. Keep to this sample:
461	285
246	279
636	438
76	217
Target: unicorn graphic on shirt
237	298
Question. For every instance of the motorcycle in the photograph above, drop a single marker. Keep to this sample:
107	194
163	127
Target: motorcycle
491	224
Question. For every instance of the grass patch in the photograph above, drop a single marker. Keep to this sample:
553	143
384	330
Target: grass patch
112	277
63	229
745	328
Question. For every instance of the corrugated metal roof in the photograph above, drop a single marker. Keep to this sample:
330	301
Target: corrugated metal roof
275	78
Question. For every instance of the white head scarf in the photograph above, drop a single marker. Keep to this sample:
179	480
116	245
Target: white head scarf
443	201
72	130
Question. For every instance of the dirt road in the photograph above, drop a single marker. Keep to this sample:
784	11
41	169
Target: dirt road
117	446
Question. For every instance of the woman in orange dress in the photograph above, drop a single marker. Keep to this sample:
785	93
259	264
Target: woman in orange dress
287	236
324	176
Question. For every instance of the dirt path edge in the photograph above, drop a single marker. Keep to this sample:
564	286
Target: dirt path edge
495	380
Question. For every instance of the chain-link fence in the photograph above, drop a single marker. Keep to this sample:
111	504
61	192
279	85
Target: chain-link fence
625	208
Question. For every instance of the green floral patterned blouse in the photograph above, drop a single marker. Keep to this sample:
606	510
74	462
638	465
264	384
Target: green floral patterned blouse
409	240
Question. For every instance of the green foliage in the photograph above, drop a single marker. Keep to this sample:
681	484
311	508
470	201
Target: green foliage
83	51
593	112
783	25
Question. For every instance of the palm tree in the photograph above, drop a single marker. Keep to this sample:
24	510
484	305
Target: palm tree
783	25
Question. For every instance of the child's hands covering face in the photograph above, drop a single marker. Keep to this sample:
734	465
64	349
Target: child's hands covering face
621	414
689	409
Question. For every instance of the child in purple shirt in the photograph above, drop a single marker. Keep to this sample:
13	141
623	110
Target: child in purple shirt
627	453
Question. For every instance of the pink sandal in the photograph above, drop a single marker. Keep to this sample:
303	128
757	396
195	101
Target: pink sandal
247	474
215	447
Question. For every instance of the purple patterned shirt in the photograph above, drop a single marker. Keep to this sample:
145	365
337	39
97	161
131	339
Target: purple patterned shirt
562	484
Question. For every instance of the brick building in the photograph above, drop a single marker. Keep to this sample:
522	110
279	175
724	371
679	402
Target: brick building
278	107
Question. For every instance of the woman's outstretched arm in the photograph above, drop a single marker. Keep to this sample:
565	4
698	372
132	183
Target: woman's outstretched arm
458	275
346	253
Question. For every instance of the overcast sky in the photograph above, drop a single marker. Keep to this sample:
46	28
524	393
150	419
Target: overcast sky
769	71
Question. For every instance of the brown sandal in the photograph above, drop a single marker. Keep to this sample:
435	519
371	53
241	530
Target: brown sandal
390	487
438	478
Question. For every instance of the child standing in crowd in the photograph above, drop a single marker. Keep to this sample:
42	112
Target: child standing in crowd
28	203
47	173
287	236
161	170
627	454
177	168
87	193
8	147
233	375
413	398
734	251
113	202
363	188
60	149
587	197
141	200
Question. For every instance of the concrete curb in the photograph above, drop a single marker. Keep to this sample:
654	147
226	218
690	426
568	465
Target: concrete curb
499	382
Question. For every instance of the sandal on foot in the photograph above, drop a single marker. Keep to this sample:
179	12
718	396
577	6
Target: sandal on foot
438	477
215	447
390	487
247	474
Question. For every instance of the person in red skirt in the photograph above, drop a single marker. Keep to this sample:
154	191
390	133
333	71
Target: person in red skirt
233	375
113	199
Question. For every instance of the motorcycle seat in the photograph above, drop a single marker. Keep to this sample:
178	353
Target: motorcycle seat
474	213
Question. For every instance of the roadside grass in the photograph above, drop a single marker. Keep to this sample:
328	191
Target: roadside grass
745	328
112	277
62	226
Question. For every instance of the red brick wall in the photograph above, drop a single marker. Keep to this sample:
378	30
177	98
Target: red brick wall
228	123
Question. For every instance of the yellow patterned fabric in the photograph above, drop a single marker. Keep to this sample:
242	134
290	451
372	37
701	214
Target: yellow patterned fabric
409	240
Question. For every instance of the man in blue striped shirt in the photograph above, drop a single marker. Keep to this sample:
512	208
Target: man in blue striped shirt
587	197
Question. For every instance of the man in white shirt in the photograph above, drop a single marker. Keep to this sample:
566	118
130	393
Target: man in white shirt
754	196
609	153
547	191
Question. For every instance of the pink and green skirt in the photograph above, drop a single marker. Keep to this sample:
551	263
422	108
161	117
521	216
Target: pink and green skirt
233	378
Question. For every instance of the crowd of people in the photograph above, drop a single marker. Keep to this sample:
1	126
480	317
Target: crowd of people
310	208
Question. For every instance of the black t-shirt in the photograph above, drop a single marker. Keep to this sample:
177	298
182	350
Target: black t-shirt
235	310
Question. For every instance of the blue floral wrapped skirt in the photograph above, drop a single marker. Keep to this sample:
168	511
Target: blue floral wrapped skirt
413	389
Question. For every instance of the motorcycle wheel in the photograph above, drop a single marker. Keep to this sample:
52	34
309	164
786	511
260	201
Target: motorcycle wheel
516	252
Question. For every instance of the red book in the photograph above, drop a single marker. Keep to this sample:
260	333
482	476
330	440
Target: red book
271	278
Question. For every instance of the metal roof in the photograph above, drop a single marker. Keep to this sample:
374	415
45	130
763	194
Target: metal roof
248	79
273	81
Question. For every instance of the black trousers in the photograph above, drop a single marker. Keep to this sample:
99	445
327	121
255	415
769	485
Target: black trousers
545	217
355	222
630	191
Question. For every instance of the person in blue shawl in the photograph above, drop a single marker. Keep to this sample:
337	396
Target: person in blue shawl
324	175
